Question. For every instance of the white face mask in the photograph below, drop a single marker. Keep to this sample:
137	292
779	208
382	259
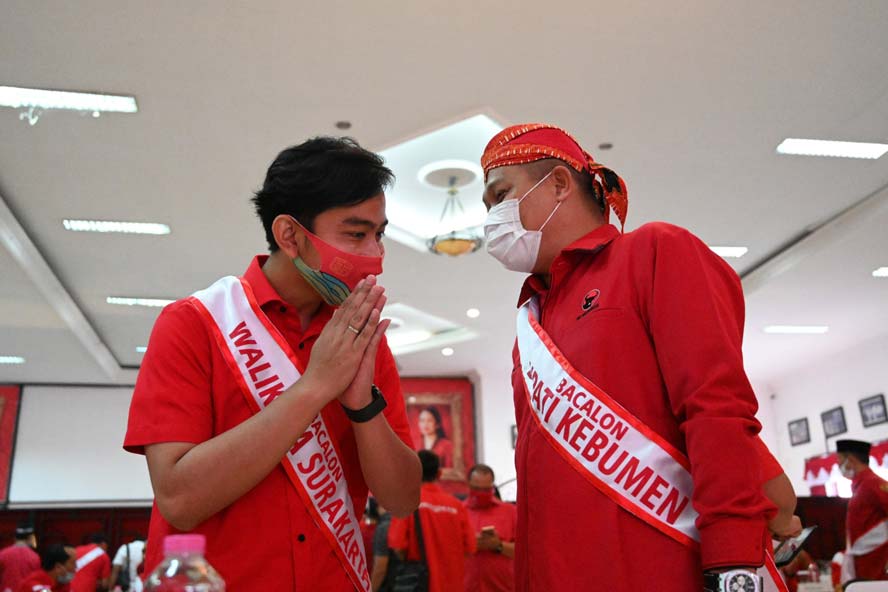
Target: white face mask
846	471
507	240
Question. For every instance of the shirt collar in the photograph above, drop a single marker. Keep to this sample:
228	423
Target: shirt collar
262	289
588	243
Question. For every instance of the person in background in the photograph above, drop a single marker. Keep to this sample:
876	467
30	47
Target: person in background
368	527
384	560
434	438
57	566
447	532
867	521
127	560
19	560
491	569
93	565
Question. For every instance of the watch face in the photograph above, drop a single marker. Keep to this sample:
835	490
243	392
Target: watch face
741	582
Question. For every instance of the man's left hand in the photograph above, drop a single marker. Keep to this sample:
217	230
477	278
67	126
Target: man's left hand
358	395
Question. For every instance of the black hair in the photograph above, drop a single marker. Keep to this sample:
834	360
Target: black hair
864	458
97	538
372	511
431	464
52	555
318	175
482	469
439	431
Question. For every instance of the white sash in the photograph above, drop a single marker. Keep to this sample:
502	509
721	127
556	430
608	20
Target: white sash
616	452
89	557
865	544
621	456
264	366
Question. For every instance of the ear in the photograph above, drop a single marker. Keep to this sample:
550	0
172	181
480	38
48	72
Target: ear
563	182
288	235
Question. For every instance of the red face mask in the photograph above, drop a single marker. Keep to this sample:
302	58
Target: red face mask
481	498
338	273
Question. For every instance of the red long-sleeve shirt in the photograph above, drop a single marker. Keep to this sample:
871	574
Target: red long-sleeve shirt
655	319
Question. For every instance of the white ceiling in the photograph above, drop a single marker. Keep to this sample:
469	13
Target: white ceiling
694	100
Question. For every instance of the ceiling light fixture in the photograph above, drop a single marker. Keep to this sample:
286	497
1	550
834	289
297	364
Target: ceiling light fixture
730	252
12	360
36	100
451	175
402	337
833	148
149	302
882	272
118	227
796	329
473	313
447	352
141	349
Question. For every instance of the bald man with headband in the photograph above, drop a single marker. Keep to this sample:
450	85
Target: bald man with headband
636	421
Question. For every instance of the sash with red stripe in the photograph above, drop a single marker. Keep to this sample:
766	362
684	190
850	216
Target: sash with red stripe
264	365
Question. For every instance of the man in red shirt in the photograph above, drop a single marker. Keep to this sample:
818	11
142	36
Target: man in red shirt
866	557
93	565
19	559
636	421
492	568
269	403
57	566
446	531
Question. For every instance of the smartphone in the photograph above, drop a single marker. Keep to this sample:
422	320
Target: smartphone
488	530
788	549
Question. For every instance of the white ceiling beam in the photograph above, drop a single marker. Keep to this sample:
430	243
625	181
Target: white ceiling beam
29	258
827	234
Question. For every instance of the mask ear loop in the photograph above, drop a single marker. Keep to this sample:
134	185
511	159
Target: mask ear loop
558	205
538	183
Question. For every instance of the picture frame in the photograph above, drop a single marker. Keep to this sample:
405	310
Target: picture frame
834	422
441	414
872	410
799	432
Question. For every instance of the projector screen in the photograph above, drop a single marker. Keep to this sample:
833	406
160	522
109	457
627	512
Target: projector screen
68	450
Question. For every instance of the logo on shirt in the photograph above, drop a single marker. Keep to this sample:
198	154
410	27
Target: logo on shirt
590	302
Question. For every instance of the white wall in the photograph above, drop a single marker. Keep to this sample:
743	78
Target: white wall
68	449
494	416
840	380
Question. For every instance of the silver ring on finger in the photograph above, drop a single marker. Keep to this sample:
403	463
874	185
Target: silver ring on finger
355	331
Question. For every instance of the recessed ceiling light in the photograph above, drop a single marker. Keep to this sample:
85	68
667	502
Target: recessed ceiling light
343	125
150	302
605	146
12	360
473	313
881	272
404	337
18	97
797	329
730	252
447	351
141	349
831	148
113	226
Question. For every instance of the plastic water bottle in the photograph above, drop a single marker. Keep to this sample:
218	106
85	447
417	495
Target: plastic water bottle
184	568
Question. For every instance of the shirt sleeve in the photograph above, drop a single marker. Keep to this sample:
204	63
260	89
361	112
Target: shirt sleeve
695	310
106	566
769	465
172	398
387	380
120	556
380	539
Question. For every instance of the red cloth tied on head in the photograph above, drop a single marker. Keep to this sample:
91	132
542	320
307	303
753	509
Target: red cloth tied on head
526	143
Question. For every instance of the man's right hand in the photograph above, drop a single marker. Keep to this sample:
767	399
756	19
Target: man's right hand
337	354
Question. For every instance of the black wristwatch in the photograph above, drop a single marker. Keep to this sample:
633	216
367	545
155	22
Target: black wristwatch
370	411
735	580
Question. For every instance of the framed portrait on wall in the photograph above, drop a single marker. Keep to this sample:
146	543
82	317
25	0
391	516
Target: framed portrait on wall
872	410
441	414
798	432
833	422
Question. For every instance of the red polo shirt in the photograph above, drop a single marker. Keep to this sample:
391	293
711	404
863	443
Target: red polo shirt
17	562
40	581
655	319
489	571
446	532
93	564
186	393
868	508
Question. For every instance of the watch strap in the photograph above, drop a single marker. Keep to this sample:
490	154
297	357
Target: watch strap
368	412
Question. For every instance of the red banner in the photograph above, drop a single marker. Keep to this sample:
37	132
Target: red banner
10	397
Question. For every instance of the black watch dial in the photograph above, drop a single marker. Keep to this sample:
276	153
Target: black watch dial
741	582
